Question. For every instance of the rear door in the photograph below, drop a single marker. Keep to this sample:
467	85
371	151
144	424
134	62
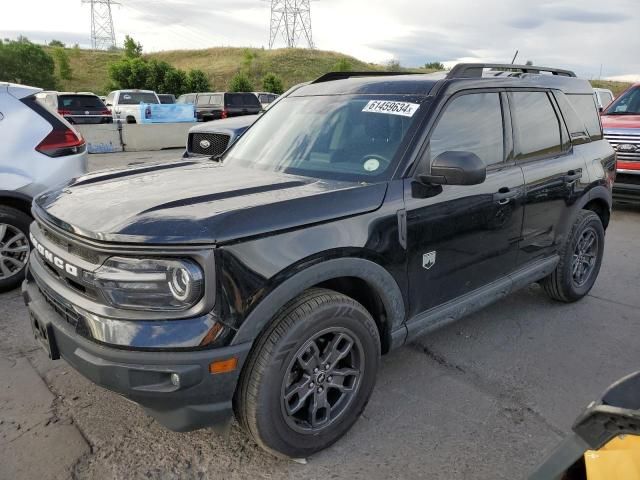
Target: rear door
463	237
555	175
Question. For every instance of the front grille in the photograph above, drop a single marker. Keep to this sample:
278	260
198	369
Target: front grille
217	143
72	248
627	179
67	314
619	139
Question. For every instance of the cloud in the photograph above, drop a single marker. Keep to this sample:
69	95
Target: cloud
563	33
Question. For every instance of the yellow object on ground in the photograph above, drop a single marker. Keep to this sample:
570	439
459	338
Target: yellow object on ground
617	460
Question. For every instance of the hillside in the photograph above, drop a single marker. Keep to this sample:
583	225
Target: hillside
90	68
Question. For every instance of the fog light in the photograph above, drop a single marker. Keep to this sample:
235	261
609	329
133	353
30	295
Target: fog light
175	380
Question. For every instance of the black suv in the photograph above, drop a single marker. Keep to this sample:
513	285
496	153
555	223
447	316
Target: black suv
359	212
213	106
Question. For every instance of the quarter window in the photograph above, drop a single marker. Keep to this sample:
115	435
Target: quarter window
586	108
471	123
537	128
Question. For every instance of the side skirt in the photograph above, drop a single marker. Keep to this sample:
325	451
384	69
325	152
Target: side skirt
471	302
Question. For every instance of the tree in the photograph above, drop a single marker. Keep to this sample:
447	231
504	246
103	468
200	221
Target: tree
197	81
434	66
342	65
24	62
132	49
529	62
62	60
157	73
241	83
272	83
175	81
56	43
393	66
129	73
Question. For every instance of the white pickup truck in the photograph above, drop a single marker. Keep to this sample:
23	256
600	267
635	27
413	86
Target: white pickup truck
125	104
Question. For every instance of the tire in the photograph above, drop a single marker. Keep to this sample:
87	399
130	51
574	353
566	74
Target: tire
131	120
326	319
565	284
14	247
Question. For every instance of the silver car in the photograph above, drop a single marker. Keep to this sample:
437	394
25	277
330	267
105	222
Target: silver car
39	150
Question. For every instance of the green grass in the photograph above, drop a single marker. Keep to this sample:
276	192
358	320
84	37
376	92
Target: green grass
90	68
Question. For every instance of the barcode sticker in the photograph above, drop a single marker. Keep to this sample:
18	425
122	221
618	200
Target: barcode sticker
404	109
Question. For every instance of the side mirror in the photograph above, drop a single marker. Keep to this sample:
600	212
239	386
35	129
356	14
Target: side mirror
456	168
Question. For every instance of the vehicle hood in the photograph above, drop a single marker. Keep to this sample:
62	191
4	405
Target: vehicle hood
232	124
199	202
620	121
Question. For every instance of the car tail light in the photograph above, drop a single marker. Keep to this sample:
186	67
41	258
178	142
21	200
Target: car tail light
225	113
64	112
61	141
106	111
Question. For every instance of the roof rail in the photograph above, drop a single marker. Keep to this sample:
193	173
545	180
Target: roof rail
328	77
475	70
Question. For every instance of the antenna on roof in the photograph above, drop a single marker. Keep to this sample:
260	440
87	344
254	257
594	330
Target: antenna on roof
514	57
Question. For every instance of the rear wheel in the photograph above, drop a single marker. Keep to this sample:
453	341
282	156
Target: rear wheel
131	120
311	374
14	247
580	260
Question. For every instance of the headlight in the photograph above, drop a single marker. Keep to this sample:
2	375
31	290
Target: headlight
149	284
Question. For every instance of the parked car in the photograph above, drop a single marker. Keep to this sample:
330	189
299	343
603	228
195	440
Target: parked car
603	97
265	98
213	106
39	150
125	104
621	122
211	139
359	212
167	98
80	108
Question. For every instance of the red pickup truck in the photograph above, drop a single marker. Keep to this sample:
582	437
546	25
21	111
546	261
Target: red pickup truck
621	124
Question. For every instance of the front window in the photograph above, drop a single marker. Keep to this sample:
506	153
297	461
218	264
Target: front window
626	104
351	138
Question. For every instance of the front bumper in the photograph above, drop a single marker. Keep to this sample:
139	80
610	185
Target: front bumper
200	400
626	188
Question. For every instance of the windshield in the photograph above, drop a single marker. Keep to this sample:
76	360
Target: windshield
134	98
626	104
339	137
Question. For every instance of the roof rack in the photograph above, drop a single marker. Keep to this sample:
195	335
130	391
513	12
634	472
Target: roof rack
475	70
328	77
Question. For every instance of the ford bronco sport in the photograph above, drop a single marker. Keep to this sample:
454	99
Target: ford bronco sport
359	212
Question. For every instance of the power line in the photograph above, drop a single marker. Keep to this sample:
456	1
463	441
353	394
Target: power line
291	19
103	35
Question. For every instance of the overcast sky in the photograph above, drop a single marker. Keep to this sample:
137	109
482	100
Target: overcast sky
577	34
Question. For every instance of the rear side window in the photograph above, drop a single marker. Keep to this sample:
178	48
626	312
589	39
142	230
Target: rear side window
585	107
250	100
471	123
233	99
204	100
536	125
605	98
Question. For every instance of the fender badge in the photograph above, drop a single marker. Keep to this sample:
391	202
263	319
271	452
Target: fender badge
429	260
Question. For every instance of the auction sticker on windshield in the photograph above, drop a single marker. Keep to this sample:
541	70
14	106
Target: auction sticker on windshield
404	109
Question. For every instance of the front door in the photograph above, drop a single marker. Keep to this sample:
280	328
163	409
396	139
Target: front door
463	237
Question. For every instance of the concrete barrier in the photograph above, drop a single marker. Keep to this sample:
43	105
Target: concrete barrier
138	137
104	138
117	137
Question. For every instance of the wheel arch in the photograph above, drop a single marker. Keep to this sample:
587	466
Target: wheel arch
600	202
16	200
363	280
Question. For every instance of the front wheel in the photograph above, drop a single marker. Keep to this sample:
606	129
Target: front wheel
14	247
580	260
310	375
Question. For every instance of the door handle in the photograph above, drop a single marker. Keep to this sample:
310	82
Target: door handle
504	196
573	175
